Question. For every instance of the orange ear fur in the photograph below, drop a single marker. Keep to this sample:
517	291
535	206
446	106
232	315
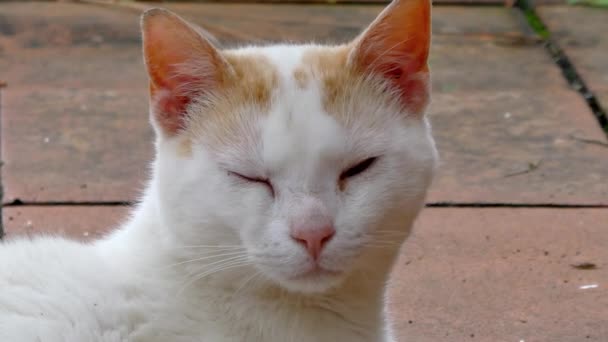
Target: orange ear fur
181	64
396	47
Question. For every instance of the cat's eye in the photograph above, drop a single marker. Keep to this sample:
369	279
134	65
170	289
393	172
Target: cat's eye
262	181
358	168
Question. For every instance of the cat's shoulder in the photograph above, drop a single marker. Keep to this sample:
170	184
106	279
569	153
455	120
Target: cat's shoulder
63	290
42	262
39	249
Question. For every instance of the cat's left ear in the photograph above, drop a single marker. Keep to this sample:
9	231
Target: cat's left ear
396	47
182	65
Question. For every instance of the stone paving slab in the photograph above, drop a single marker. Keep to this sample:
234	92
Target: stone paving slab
586	45
464	274
518	147
500	104
504	275
84	223
65	145
104	67
76	97
330	23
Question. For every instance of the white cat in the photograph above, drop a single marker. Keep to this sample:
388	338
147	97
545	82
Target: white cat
286	178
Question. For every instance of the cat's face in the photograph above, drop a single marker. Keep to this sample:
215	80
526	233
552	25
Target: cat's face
300	154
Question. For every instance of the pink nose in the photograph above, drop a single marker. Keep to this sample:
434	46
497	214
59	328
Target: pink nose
313	238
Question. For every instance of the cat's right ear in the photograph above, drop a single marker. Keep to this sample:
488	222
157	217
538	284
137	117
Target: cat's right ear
396	47
182	64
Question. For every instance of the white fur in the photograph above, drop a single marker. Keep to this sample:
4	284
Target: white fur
141	282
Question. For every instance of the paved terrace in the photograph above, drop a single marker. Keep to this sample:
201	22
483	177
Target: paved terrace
514	244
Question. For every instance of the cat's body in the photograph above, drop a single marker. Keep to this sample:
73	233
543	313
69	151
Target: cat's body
285	180
59	290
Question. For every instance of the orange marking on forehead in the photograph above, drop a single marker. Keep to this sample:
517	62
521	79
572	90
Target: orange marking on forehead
301	77
185	147
246	93
345	88
253	78
329	65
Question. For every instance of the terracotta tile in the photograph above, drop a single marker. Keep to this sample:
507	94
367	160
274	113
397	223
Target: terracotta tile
68	145
61	44
501	109
38	25
518	146
75	112
104	67
461	64
500	103
585	45
78	222
330	23
504	275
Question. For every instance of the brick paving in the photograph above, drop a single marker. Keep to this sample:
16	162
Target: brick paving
511	131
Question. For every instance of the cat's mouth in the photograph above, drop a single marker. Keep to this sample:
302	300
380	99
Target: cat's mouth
316	272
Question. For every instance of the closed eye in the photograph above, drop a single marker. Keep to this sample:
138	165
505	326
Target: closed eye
262	181
358	168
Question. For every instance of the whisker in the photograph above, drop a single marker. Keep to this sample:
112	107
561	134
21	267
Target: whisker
255	274
234	258
214	246
219	268
222	267
205	258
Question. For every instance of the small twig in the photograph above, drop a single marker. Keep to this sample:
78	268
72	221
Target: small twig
589	141
531	167
585	266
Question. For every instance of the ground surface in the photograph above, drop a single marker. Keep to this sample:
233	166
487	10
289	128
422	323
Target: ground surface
511	131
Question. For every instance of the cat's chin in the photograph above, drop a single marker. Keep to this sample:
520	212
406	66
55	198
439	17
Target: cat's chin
311	282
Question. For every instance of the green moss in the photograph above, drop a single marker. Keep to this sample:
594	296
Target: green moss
536	24
594	3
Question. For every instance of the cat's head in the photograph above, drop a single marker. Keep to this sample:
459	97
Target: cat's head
313	158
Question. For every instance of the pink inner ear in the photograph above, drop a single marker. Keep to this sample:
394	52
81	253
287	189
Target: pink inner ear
415	90
396	47
181	64
171	97
169	109
404	69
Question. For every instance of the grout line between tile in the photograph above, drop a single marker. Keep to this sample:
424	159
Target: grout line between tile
567	68
514	205
2	85
20	204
